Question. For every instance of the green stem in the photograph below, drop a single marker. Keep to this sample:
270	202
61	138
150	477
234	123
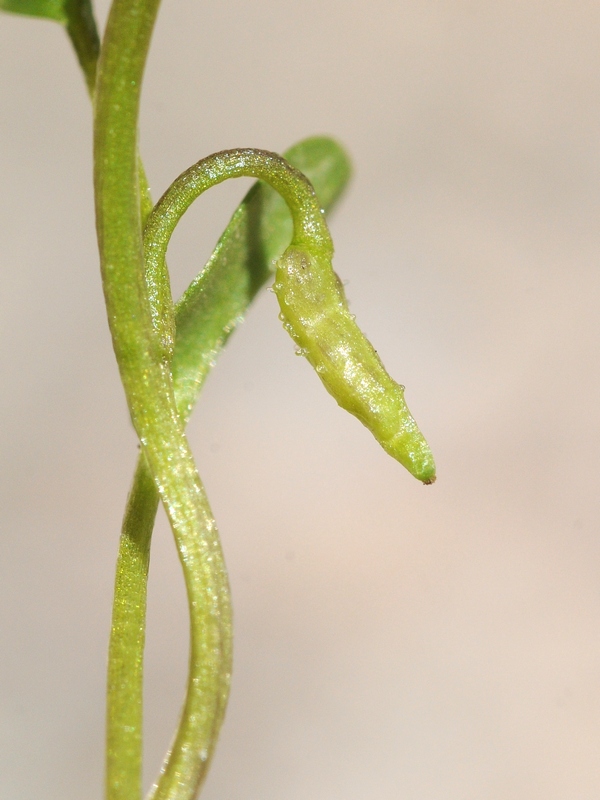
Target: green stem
186	764
83	33
144	364
126	649
210	309
82	30
310	228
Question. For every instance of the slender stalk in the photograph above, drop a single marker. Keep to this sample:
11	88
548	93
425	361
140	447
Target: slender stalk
143	355
232	277
83	33
310	228
124	735
126	650
209	311
125	679
182	772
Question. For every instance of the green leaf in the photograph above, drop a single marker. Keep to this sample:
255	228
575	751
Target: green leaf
48	9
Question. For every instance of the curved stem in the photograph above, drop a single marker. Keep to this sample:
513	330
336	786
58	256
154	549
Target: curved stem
313	304
181	774
143	354
124	712
208	312
310	229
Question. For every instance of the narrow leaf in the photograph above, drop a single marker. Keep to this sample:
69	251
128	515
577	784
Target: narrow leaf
48	9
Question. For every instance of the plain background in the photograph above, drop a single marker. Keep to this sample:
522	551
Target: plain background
391	641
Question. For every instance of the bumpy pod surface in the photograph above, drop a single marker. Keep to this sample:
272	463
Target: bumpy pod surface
315	313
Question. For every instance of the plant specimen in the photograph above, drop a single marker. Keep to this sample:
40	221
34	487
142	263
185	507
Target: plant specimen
165	350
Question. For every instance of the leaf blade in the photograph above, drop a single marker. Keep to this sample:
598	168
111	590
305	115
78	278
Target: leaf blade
46	9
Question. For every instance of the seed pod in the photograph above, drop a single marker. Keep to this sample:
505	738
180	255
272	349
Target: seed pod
315	313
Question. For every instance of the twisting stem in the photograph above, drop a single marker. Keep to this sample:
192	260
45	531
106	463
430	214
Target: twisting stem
144	351
181	774
141	320
124	712
313	304
143	355
310	228
206	315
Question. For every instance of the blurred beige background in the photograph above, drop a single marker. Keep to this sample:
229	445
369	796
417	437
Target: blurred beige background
392	641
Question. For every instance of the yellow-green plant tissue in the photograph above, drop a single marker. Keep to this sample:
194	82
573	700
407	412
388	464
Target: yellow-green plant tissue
315	313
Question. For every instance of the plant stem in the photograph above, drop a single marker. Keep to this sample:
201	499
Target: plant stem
143	356
83	33
210	309
310	228
141	320
124	734
126	650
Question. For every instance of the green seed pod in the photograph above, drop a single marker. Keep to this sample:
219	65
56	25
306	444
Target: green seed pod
315	313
